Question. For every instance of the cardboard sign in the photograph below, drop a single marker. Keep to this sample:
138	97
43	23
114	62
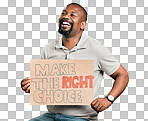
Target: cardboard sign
61	82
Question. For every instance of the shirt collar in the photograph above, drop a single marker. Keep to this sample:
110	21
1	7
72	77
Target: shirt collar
82	44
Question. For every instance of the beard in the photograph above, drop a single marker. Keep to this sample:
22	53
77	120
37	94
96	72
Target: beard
67	32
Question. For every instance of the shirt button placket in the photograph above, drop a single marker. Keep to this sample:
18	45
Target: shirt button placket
68	56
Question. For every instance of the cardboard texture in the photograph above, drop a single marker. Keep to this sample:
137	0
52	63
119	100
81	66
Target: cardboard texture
61	82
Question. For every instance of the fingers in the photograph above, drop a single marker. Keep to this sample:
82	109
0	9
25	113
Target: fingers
97	106
101	109
28	78
25	81
93	103
25	85
27	90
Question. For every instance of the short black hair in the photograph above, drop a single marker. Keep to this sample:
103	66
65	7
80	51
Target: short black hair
85	12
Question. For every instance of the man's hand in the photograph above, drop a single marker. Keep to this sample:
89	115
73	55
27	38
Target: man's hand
103	104
25	85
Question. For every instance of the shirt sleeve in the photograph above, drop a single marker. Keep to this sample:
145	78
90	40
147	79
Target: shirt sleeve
43	54
108	63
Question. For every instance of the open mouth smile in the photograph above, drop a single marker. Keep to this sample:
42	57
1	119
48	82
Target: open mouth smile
65	24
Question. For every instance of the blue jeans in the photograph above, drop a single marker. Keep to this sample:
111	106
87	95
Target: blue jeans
56	117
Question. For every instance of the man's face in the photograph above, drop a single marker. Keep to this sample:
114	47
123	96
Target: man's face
70	20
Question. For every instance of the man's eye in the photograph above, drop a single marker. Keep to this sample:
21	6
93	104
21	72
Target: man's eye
62	13
73	15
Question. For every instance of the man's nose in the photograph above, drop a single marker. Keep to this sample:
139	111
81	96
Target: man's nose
66	16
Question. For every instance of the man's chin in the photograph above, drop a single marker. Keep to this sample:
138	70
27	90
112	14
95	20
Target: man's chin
63	32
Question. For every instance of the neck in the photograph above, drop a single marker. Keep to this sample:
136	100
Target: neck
70	42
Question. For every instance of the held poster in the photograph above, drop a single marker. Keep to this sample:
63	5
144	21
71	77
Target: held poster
61	82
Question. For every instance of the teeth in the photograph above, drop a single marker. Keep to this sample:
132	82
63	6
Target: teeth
66	23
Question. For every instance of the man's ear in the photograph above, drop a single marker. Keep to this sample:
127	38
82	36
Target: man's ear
83	24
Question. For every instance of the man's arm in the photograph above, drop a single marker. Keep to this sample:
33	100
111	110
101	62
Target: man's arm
121	80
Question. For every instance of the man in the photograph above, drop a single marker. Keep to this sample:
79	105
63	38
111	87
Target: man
74	44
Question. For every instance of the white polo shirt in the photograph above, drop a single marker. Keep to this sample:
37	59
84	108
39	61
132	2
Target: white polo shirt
86	49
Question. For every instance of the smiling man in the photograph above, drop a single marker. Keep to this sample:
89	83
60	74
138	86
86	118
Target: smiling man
74	44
